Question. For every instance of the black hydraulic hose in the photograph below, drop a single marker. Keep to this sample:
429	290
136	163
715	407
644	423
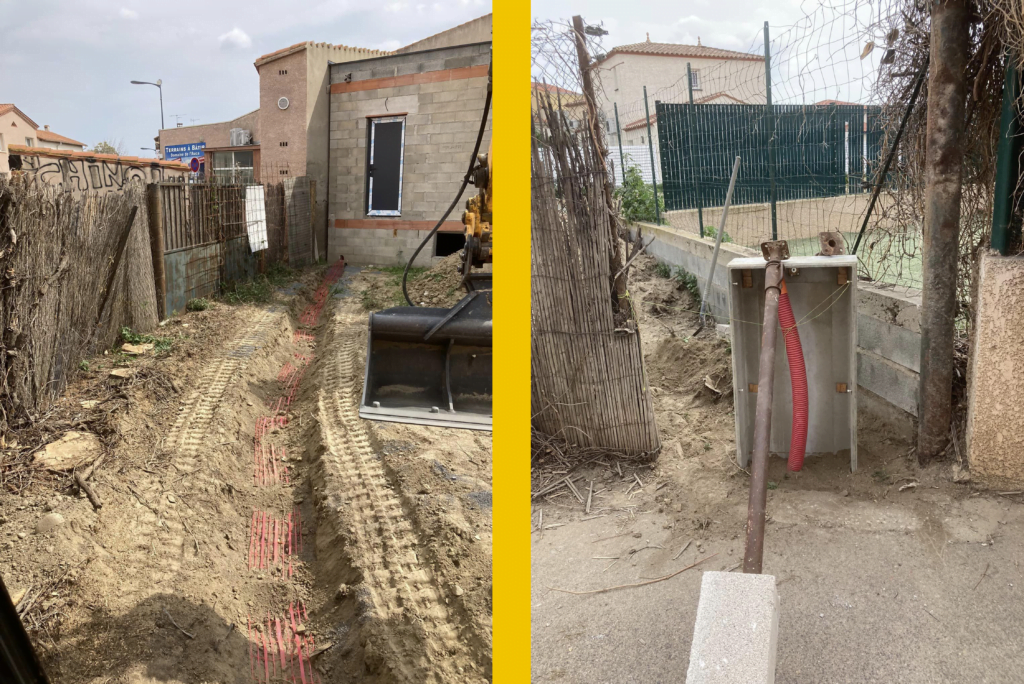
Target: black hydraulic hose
458	195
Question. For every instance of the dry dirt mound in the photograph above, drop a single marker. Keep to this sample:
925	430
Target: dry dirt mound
688	365
439	285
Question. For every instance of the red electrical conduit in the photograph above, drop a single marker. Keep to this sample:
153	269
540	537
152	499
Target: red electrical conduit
798	379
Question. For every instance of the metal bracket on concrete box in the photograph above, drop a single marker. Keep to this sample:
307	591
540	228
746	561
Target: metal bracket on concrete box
826	313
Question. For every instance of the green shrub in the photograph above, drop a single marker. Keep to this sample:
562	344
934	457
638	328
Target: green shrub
197	304
688	281
637	197
260	289
160	344
663	270
83	365
711	233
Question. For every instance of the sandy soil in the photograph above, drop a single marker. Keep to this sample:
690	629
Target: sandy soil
440	286
388	583
860	558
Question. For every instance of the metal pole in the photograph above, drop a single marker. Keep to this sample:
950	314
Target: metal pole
654	175
618	134
718	239
884	171
947	94
770	117
689	135
161	89
774	252
1007	160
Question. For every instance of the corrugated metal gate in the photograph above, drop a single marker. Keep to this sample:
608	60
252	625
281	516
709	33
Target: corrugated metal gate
821	151
202	231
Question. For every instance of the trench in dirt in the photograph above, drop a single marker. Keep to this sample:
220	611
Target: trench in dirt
265	533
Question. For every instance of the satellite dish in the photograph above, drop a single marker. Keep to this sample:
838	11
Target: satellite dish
282	103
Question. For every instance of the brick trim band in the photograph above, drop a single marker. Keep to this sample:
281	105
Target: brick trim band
392	224
411	79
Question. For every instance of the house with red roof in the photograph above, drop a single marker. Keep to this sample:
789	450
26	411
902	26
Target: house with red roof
717	76
16	128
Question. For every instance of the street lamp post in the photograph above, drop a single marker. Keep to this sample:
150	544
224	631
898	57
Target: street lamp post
159	85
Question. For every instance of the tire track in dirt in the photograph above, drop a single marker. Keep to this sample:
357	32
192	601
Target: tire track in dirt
162	529
188	435
411	632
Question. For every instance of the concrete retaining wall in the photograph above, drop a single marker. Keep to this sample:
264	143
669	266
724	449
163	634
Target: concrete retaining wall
750	223
888	331
995	445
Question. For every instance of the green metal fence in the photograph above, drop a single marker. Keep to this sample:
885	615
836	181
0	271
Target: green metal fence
820	151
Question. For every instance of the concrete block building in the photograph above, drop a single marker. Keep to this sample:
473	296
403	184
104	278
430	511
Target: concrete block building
298	130
402	128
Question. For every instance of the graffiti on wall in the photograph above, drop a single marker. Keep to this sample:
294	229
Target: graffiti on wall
91	174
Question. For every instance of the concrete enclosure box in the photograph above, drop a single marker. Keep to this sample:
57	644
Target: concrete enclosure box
823	292
736	634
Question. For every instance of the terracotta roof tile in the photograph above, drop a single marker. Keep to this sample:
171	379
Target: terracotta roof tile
50	136
678	50
553	89
642	123
277	54
4	108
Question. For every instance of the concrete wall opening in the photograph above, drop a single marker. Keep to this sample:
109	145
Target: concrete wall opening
449	243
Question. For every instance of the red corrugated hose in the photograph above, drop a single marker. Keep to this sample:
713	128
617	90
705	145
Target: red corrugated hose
798	379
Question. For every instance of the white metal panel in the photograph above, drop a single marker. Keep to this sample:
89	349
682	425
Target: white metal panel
256	217
826	317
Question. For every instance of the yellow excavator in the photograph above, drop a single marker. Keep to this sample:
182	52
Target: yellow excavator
432	366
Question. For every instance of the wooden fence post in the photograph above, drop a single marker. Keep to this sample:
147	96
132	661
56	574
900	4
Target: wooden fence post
155	211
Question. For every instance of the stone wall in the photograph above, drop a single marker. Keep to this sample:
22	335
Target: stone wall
749	224
91	172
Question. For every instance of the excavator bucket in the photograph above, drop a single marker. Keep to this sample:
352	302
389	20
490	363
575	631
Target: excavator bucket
432	366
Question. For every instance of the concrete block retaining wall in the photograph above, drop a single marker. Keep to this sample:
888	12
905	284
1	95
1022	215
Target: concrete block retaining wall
888	331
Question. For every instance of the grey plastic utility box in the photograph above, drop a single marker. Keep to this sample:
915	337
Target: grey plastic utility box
823	293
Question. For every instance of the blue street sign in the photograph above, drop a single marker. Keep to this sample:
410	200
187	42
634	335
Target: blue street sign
185	152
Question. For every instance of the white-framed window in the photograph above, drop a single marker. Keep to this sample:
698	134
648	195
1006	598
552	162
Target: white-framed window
234	166
30	142
2	147
695	79
385	163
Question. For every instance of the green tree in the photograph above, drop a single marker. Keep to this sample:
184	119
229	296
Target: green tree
112	147
637	197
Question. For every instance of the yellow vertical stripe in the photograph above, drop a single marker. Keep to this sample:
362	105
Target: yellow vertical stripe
511	469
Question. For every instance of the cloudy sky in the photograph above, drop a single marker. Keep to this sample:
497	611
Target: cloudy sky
816	43
68	63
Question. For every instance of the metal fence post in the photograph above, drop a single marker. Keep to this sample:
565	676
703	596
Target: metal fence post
770	117
689	132
622	157
1007	161
650	146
